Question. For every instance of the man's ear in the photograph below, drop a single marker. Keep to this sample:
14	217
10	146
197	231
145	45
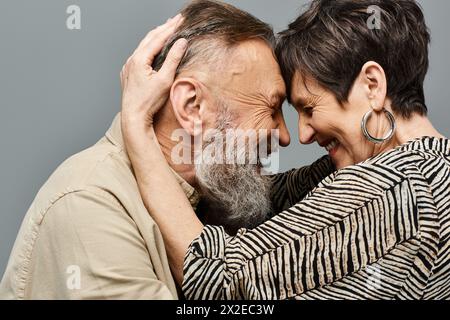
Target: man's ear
185	97
374	81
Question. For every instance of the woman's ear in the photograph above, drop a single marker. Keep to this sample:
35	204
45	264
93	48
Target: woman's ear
185	97
375	83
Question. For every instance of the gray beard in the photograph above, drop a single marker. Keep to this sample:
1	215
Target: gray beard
236	195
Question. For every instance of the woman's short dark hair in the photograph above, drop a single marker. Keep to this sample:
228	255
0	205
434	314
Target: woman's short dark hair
333	39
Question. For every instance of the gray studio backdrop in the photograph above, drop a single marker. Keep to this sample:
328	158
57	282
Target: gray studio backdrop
59	88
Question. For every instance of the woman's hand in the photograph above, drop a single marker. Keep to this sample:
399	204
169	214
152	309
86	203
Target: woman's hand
145	91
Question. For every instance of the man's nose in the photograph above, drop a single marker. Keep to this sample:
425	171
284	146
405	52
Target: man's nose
285	138
306	133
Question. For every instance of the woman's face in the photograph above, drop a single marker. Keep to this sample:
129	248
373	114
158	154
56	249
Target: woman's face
334	126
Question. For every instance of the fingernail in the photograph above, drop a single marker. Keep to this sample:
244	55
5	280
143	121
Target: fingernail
182	43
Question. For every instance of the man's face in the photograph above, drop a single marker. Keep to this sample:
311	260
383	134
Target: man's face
254	89
251	95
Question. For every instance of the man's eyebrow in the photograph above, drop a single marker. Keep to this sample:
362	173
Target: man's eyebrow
277	98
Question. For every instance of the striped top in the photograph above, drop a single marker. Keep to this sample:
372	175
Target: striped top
376	230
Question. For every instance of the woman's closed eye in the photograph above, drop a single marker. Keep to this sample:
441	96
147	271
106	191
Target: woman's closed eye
306	106
308	109
310	104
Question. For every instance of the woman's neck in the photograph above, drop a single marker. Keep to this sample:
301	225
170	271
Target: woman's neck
409	129
415	127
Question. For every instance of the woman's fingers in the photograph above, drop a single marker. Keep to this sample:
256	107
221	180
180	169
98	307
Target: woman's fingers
156	38
173	59
152	44
151	35
168	28
155	32
144	90
156	43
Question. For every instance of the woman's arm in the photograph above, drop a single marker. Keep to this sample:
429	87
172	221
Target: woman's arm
167	204
144	93
348	239
292	186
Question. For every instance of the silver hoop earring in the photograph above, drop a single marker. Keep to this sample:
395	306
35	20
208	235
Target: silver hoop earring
388	136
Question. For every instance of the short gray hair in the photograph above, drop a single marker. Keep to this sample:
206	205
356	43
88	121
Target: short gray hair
211	28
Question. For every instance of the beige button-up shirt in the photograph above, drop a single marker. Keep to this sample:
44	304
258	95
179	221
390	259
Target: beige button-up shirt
88	235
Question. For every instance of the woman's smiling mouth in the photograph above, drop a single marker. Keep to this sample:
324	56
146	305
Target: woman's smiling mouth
332	147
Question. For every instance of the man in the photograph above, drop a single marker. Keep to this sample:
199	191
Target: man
87	234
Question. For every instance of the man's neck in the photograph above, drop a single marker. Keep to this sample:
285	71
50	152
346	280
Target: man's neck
165	124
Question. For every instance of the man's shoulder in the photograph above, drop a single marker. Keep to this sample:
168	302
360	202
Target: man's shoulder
91	199
102	170
83	168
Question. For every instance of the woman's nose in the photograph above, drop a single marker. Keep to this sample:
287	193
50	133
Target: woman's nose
305	132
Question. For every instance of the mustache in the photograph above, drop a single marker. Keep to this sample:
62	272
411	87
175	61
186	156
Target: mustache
226	147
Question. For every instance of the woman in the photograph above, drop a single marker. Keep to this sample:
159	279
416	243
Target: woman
377	228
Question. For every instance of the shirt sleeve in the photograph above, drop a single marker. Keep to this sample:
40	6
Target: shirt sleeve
90	248
356	221
290	187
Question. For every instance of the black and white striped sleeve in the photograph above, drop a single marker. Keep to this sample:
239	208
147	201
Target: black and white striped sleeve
290	187
358	218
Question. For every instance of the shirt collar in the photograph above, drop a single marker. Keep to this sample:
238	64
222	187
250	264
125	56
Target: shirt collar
114	135
441	145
